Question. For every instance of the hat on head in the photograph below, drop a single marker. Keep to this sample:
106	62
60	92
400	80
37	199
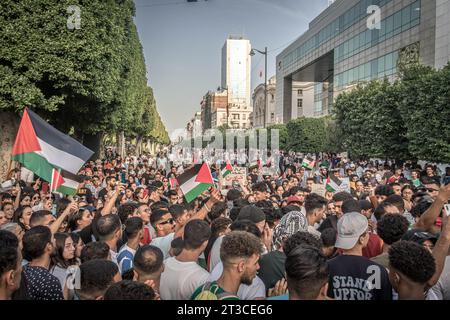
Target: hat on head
252	213
350	227
290	223
419	236
291	199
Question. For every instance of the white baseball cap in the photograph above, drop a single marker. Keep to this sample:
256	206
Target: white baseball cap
349	228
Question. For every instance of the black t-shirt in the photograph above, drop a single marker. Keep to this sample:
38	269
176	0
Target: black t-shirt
358	278
254	178
271	268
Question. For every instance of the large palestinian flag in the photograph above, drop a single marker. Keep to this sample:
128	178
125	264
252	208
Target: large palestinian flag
195	181
41	149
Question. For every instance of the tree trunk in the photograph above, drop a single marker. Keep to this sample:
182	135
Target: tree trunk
121	144
9	125
139	141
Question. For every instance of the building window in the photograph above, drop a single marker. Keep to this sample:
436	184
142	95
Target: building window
299	107
272	96
243	117
300	92
235	116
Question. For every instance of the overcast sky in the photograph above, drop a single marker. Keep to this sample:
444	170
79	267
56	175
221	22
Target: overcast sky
183	42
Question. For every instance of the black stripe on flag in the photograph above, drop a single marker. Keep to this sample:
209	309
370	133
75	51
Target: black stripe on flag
57	139
187	175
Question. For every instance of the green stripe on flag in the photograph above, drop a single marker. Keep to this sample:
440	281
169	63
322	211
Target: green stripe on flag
196	191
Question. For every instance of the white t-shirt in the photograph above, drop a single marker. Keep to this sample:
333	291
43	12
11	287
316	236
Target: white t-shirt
180	279
215	253
163	243
256	290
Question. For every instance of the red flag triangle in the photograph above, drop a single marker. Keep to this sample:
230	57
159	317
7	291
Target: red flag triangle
229	166
26	140
204	175
57	180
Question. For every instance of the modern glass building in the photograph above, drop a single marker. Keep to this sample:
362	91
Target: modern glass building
343	47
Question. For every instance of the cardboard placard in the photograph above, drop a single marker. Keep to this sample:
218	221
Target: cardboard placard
238	174
318	189
345	185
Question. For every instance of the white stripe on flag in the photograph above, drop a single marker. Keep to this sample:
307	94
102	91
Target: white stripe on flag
60	158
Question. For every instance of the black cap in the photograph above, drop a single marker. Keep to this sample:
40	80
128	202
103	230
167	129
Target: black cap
419	236
252	213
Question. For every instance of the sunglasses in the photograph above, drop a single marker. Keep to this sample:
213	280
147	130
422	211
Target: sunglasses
167	221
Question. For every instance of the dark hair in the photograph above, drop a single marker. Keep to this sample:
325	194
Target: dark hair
219	225
351	205
420	208
233	194
38	216
57	258
148	260
412	260
328	237
342	196
306	271
406	186
94	250
260	186
107	225
384	190
294	190
239	244
9	255
74	218
159	205
8	239
245	225
157	216
217	210
126	210
392	227
96	277
133	226
129	290
176	210
196	232
380	211
300	238
428	180
35	241
313	202
172	193
285	210
61	205
396	201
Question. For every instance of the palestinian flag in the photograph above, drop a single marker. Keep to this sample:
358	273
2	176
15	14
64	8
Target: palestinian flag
64	182
333	183
308	163
41	148
227	169
195	181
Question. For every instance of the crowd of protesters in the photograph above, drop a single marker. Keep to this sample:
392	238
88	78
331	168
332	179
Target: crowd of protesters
129	233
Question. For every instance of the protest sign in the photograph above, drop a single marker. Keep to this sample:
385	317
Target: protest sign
239	174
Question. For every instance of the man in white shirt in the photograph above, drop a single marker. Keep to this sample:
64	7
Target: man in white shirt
182	275
164	225
315	207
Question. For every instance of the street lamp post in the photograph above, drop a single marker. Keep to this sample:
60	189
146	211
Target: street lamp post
252	53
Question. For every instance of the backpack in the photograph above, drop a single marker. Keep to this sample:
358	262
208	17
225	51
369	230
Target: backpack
209	292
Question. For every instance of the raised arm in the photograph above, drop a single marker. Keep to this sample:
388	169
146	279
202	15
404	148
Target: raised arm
112	200
71	208
440	250
428	218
